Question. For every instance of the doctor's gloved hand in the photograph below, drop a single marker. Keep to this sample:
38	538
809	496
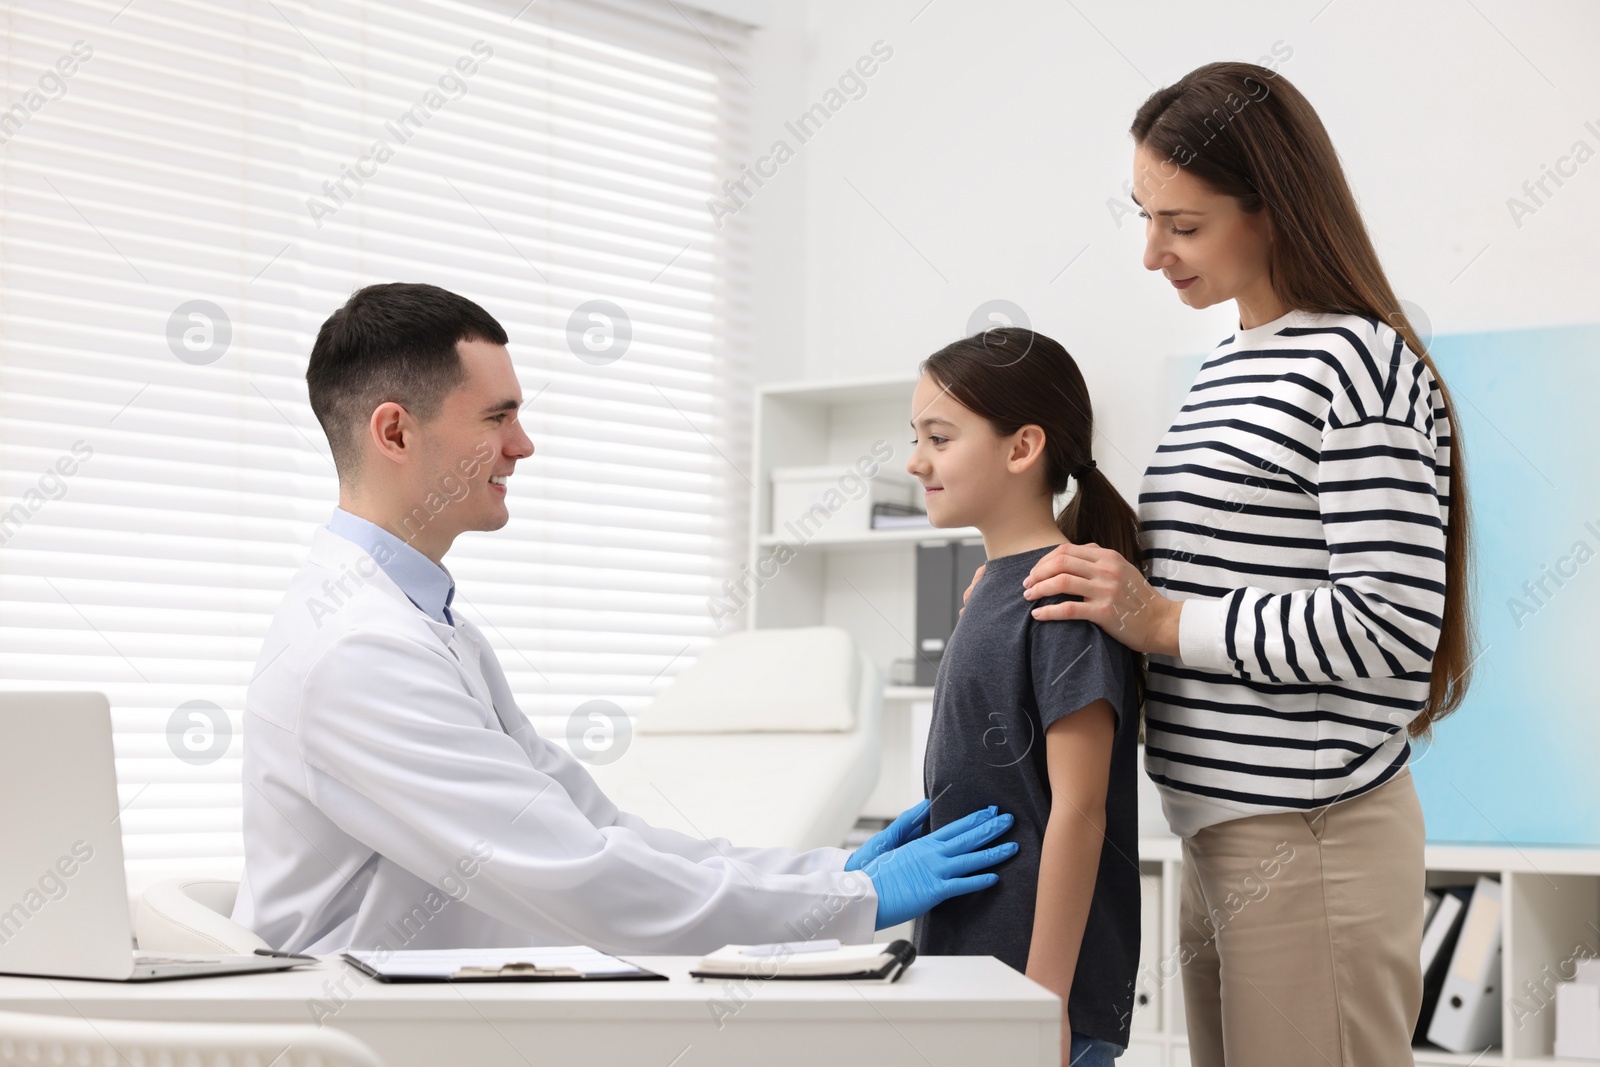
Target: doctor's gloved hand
937	866
908	827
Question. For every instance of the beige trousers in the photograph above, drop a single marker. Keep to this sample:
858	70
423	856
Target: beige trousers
1300	934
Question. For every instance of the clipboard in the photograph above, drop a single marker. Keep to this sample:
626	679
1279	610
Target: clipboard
499	965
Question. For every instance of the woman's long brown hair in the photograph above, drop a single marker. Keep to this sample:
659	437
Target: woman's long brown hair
1247	133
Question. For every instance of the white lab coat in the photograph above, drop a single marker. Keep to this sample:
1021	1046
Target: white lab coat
395	796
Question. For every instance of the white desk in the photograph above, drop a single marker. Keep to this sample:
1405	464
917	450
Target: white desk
943	1010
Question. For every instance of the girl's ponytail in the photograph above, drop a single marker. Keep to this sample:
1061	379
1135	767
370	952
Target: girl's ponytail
1097	514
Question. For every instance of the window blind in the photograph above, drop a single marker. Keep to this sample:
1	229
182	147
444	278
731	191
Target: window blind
191	187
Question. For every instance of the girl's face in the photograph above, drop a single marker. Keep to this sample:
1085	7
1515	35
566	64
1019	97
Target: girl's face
962	463
1202	241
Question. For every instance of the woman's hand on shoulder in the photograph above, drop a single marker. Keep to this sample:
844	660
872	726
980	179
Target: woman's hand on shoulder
977	574
1116	596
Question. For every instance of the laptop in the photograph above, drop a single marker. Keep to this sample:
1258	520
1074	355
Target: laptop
63	890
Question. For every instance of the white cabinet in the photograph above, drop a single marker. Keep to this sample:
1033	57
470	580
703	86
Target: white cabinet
1143	1054
827	570
1147	987
1552	917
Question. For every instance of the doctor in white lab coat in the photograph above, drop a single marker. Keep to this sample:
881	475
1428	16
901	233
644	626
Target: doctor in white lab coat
395	796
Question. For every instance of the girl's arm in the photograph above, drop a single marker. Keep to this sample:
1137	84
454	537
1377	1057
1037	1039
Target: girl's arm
1078	756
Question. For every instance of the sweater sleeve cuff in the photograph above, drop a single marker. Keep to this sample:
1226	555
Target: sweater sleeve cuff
1200	641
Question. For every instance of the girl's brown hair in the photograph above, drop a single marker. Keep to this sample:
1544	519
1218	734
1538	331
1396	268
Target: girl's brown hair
1014	377
1247	133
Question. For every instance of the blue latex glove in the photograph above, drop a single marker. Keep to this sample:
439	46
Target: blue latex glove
908	827
937	866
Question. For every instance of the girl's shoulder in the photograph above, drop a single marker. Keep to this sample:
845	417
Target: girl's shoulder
1074	656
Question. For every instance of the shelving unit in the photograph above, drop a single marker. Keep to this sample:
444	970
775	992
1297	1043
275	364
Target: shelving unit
861	580
1552	912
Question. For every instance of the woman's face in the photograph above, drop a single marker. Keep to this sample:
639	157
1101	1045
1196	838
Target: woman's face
1201	241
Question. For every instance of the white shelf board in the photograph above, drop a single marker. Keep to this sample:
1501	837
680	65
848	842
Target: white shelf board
846	391
878	538
1160	846
1518	859
908	692
1427	1057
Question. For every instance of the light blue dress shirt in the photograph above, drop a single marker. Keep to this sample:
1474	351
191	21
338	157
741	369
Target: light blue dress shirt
427	584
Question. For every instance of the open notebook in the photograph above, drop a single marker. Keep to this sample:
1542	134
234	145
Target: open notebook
807	959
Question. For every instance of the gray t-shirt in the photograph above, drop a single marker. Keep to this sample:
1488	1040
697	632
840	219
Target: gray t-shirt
1003	679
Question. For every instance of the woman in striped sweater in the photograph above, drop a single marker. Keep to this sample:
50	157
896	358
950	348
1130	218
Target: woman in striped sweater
1304	597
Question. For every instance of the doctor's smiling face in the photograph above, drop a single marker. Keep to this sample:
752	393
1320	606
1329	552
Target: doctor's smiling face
417	394
465	453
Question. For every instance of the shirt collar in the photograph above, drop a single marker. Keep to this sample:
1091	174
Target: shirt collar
426	583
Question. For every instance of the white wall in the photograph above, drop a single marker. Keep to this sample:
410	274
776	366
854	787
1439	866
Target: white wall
985	149
779	75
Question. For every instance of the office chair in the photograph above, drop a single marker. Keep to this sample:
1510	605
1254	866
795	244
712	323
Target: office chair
192	915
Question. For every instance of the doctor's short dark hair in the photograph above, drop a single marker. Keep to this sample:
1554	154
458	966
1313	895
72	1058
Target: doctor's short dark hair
391	342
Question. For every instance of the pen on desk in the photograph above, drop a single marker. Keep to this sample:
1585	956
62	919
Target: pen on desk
284	955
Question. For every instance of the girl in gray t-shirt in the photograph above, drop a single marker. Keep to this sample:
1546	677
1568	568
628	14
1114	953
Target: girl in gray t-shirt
1039	718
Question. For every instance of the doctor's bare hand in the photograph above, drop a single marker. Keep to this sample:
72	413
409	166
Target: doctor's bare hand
1116	597
942	864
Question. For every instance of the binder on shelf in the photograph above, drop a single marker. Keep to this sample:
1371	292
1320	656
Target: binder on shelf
935	620
944	571
1147	982
1467	1018
1430	900
969	557
1438	944
887	515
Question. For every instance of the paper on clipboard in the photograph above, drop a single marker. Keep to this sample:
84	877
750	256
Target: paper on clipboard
444	964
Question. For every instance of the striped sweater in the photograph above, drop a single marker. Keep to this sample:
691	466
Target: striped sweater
1298	507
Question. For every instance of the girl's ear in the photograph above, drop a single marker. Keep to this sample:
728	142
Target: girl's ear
1027	449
